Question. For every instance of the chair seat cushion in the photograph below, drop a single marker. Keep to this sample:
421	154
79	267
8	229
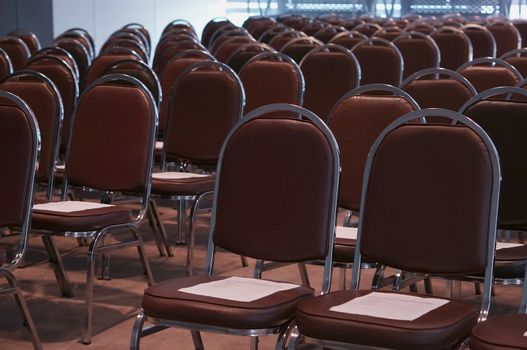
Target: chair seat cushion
188	186
79	220
165	301
441	328
344	250
500	332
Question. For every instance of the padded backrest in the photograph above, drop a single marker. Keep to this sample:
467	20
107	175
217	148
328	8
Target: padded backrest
205	106
356	122
328	76
5	64
347	40
521	25
120	160
17	51
439	93
297	51
303	168
506	35
79	53
429	196
100	64
418	53
505	122
483	43
379	64
486	77
225	50
30	39
455	48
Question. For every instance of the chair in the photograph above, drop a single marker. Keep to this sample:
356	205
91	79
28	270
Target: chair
421	27
129	41
225	49
506	35
143	33
330	71
169	48
398	190
81	36
63	55
419	52
388	33
485	73
28	37
430	90
367	28
348	39
6	67
106	59
205	102
271	78
80	54
43	98
518	58
521	25
243	54
17	50
327	33
455	47
483	42
380	61
310	27
280	40
299	47
20	137
306	213
356	120
119	163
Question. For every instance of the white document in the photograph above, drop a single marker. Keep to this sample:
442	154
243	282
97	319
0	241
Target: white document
346	232
238	288
390	305
70	206
159	145
60	167
505	245
175	175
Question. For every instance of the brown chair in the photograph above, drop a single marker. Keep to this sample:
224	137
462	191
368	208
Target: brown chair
271	78
330	71
380	61
310	27
205	102
306	213
419	52
282	39
43	97
483	42
327	33
439	88
506	35
212	26
81	55
421	27
142	32
224	34
169	48
6	67
225	50
398	190
126	40
455	46
63	55
388	33
17	50
299	47
348	39
82	36
119	163
28	37
21	141
256	25
521	25
486	73
356	120
518	58
367	28
106	59
243	54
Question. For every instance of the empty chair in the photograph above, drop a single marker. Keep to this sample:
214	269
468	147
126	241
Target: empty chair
367	28
224	51
119	163
129	42
21	141
455	47
81	36
299	47
311	27
6	67
420	27
388	33
28	37
506	35
439	88
63	55
212	27
305	213
224	34
169	48
397	190
483	42
348	39
17	50
43	97
330	71
419	52
243	54
327	33
485	73
283	38
518	58
205	102
269	34
256	25
521	25
380	61
106	59
143	31
271	78
80	54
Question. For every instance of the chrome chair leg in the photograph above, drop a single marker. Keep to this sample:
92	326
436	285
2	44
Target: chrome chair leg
245	262
196	338
135	340
142	256
153	226
428	286
182	205
254	343
160	228
342	278
58	267
86	338
303	274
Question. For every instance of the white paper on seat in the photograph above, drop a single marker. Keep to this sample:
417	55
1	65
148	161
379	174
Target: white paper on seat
238	288
390	305
70	206
525	334
159	145
175	175
60	166
505	245
346	232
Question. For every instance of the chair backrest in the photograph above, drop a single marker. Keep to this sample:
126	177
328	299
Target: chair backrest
518	58
17	50
348	39
282	39
80	54
271	78
173	48
419	52
106	59
367	28
380	61
445	167
83	37
483	42
122	161
430	90
504	120
521	25
388	33
21	144
330	71
244	53
455	46
506	35
211	27
43	97
29	38
206	101
135	44
6	67
62	54
305	172
225	49
327	33
485	73
356	120
421	27
299	47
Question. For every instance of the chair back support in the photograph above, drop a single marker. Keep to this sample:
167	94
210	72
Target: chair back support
506	35
356	120
6	67
455	47
29	38
518	58
104	61
304	174
348	39
486	73
79	53
380	61
419	52
120	159
483	42
21	139
17	50
505	120
206	101
298	48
